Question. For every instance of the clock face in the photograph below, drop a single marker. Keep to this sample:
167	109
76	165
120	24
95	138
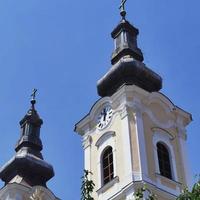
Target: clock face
104	117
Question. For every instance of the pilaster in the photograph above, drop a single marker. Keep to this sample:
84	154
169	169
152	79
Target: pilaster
87	141
143	173
126	143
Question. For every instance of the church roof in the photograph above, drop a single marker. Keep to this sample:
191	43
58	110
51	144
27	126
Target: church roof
28	164
127	62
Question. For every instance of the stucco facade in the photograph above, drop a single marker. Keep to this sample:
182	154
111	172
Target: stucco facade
140	120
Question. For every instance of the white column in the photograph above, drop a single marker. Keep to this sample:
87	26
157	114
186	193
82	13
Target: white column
143	175
184	155
87	152
126	144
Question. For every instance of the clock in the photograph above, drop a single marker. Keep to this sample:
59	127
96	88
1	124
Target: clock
104	117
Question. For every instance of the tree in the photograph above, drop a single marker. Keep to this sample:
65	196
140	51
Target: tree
87	186
194	194
141	193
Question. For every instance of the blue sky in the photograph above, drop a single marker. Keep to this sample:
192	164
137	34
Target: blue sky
63	47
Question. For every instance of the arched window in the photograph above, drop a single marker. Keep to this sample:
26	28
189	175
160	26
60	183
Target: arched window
164	160
107	165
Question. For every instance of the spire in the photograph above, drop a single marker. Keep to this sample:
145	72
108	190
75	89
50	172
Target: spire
28	163
125	39
127	62
30	129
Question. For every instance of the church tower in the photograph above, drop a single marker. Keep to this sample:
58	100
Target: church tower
134	135
26	174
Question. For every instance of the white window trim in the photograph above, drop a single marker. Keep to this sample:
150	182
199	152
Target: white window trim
104	138
164	137
107	139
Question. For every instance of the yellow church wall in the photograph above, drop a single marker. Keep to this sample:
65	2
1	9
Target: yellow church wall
139	121
149	125
159	112
160	196
163	115
168	183
116	127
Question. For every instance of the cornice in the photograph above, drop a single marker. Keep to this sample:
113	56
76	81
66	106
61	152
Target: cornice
141	100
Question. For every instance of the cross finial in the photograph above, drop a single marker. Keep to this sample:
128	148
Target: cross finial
33	95
122	9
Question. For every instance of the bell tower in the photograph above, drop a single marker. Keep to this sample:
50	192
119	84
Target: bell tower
25	175
134	134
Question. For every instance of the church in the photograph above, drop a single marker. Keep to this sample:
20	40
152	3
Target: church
132	136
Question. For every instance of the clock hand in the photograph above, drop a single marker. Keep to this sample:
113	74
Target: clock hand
104	114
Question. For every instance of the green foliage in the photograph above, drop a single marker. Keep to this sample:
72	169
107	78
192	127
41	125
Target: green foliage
87	186
194	194
139	195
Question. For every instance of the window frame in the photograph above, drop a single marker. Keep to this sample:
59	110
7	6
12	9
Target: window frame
162	136
107	139
109	166
164	161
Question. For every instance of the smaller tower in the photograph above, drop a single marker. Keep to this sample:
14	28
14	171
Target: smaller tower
26	174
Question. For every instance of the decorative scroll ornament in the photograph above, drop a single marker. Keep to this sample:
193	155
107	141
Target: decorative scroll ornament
37	195
87	141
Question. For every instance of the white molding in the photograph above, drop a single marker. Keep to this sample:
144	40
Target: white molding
169	180
110	141
165	134
165	138
184	156
104	137
108	185
137	107
146	97
119	193
162	100
126	145
182	136
165	125
123	111
87	141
